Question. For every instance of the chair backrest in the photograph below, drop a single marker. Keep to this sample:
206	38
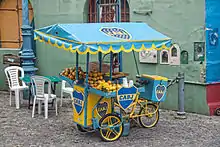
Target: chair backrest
38	85
11	73
63	84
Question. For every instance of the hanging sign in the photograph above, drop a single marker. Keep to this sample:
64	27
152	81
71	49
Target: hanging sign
148	56
116	32
126	96
78	101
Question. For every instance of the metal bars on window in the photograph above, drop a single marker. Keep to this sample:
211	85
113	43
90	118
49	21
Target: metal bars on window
108	11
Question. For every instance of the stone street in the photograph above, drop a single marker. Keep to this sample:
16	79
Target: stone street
17	128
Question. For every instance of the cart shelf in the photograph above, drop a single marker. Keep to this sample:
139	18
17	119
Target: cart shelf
96	91
102	93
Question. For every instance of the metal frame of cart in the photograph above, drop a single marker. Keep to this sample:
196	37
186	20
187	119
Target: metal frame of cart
104	38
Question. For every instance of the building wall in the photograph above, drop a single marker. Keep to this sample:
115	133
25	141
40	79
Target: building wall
10	32
184	22
212	33
177	19
213	54
2	66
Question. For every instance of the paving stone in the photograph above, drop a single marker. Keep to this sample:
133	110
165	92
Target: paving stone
18	128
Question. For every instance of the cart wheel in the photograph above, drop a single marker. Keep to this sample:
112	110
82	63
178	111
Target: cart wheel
111	127
152	117
217	111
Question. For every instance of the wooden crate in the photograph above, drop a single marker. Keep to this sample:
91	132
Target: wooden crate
11	59
94	66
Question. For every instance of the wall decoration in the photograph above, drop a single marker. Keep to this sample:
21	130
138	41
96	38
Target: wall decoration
164	57
184	57
213	37
199	51
148	56
175	55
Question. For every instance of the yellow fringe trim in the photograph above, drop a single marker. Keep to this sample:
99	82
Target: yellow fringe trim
111	49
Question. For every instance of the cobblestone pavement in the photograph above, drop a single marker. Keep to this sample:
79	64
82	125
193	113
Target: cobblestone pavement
17	128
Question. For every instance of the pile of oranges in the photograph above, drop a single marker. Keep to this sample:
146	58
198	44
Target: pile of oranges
71	73
96	79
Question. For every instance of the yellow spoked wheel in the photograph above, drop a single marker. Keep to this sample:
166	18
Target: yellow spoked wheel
151	118
111	127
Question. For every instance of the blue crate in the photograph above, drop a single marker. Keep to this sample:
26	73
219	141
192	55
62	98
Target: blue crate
156	88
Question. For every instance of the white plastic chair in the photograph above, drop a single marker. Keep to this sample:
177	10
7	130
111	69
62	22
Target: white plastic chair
64	89
38	85
12	74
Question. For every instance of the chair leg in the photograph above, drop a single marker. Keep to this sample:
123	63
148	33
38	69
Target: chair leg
21	97
33	108
71	96
39	107
61	99
46	108
10	97
17	99
56	106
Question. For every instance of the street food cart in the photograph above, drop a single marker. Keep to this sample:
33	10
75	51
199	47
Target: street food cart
104	101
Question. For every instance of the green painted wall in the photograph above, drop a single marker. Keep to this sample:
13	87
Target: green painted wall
195	99
2	66
182	20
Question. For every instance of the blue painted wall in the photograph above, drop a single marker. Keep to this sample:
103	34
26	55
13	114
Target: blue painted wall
212	41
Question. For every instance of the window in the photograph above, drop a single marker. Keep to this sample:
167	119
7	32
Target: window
107	12
164	57
10	24
174	52
175	55
199	51
184	57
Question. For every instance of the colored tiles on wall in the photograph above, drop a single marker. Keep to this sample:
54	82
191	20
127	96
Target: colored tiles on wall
212	46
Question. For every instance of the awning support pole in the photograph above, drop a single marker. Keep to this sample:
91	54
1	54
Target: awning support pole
111	63
136	62
86	89
77	66
100	61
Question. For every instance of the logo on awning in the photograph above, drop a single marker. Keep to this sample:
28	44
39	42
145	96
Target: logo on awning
116	32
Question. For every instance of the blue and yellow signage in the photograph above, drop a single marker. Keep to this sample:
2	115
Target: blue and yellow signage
78	101
160	91
116	32
102	108
126	96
